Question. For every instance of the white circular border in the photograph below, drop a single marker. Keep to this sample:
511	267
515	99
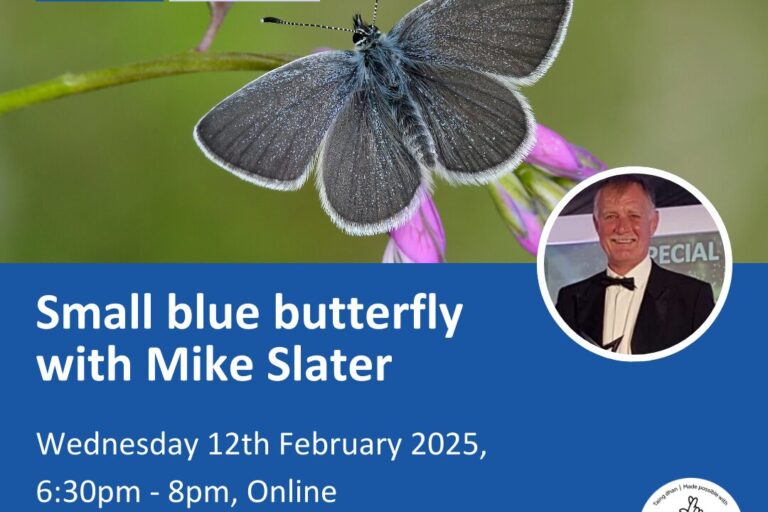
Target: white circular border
726	278
731	506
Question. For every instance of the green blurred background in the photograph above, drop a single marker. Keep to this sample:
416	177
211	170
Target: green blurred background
115	175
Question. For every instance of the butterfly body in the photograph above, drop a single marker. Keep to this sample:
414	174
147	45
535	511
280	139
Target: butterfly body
385	78
436	95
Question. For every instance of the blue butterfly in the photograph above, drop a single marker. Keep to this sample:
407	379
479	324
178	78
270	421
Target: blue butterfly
437	94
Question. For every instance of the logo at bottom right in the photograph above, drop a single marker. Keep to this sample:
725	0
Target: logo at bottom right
691	495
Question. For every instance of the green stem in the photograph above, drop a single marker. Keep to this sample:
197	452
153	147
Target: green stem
69	84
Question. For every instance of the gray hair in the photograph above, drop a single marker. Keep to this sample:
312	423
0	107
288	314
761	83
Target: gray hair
622	183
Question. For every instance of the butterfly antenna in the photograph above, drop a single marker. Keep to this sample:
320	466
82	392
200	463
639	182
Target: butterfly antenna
270	19
375	11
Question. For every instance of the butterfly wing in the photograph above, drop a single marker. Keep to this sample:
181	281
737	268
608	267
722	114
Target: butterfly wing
517	39
464	59
269	131
368	179
480	126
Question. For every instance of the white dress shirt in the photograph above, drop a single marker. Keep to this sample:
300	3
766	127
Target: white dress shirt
622	306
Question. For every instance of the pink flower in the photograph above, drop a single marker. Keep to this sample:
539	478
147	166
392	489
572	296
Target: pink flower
526	196
554	154
421	239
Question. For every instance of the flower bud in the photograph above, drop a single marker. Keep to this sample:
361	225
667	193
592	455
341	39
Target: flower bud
546	190
554	154
518	209
421	239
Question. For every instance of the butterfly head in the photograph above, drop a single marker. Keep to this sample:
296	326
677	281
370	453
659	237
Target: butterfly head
364	35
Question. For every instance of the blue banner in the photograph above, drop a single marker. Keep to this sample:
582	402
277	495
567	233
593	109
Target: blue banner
356	387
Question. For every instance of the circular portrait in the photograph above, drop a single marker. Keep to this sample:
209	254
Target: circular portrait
636	264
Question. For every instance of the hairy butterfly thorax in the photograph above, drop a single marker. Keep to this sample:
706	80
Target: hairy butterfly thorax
384	71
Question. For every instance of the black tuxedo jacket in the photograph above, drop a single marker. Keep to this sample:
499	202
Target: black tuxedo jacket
674	306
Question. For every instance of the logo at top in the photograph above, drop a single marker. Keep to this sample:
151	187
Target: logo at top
691	495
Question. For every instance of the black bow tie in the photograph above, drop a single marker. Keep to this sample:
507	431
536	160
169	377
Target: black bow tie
626	282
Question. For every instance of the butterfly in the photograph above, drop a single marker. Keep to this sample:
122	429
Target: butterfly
437	94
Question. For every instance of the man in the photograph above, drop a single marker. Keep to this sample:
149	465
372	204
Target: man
635	306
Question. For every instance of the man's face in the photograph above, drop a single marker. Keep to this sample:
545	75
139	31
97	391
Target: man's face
625	221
